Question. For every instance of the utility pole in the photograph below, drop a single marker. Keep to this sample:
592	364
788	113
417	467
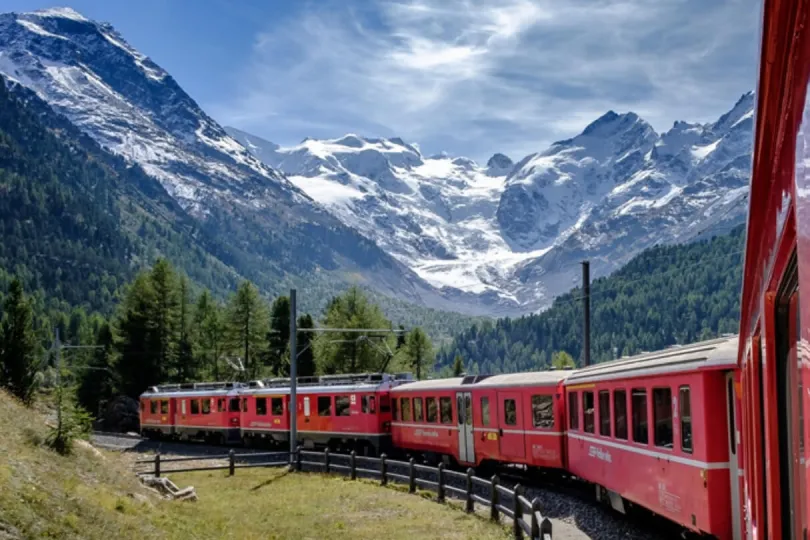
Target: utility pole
586	309
293	407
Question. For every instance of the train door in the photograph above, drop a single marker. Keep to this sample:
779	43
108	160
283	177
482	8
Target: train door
466	442
511	432
733	456
789	407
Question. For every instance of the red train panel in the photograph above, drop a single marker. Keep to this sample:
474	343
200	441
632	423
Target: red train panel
660	431
513	418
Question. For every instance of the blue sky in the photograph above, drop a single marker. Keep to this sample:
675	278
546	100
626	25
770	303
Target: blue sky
470	77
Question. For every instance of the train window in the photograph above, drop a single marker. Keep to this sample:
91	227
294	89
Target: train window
620	414
432	409
385	404
206	406
406	409
446	410
543	411
164	407
468	414
685	413
459	407
372	407
418	415
277	406
183	407
368	404
153	406
342	406
510	412
195	406
587	410
485	411
394	409
221	405
639	411
364	404
662	417
604	413
573	410
261	406
324	406
244	404
233	405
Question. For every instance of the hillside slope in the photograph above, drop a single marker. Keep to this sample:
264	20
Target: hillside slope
666	295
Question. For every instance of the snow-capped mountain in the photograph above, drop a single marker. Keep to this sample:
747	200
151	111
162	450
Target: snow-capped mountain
447	232
87	72
517	232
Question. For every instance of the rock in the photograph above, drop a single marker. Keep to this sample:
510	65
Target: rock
7	532
122	415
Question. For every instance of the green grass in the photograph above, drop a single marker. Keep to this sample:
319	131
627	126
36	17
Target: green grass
95	495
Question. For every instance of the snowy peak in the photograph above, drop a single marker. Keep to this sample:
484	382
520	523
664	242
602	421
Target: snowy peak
499	165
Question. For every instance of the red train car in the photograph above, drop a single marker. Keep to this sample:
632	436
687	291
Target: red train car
338	411
660	430
516	418
774	352
208	411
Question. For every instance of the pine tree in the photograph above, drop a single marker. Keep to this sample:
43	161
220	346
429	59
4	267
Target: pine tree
209	333
138	364
306	354
164	317
278	339
419	350
352	352
187	369
562	360
458	366
97	384
247	327
18	345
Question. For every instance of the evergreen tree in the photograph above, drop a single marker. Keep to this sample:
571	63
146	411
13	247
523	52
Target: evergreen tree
458	366
187	369
562	360
278	339
209	333
97	385
18	345
138	365
247	327
164	317
419	350
306	354
351	352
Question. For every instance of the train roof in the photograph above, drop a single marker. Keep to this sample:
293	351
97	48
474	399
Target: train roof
532	378
194	389
720	353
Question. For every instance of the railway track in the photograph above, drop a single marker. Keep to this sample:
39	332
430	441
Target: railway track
564	498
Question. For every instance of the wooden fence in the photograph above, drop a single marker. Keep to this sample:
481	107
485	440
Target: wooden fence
526	516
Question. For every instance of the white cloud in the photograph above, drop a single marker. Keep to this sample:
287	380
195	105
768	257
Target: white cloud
474	77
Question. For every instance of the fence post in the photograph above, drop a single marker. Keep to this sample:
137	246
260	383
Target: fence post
298	458
545	529
493	498
470	501
326	460
440	490
157	464
517	510
412	477
383	470
535	521
231	463
354	464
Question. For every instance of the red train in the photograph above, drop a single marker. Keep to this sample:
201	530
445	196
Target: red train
711	435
